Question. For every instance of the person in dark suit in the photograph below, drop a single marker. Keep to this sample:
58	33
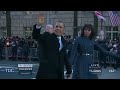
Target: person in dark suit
118	52
54	55
1	48
102	56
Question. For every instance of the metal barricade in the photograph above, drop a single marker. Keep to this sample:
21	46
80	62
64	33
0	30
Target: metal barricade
3	53
108	59
95	56
7	53
111	61
33	54
19	53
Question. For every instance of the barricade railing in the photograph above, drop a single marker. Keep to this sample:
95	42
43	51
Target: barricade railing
107	59
32	53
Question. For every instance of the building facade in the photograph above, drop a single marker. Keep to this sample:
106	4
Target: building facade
22	22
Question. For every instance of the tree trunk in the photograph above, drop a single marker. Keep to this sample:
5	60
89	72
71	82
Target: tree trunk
95	24
75	32
8	23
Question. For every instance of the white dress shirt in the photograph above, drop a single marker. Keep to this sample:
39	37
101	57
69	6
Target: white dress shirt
38	27
60	42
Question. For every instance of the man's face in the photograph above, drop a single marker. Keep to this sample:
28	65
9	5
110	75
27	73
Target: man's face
49	29
59	28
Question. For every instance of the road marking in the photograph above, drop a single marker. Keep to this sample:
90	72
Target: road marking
32	78
8	67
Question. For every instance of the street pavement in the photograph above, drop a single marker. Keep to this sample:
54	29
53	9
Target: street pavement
108	73
6	66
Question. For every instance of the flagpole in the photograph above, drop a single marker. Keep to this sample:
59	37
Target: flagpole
101	22
103	36
95	23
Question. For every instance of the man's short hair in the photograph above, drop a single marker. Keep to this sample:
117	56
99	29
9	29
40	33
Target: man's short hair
61	22
48	25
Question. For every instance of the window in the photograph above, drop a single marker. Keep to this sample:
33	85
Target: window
3	28
28	28
4	33
27	31
2	13
108	35
111	32
115	35
115	28
27	12
53	12
107	28
28	34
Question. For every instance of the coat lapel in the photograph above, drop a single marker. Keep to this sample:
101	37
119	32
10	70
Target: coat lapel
63	42
57	42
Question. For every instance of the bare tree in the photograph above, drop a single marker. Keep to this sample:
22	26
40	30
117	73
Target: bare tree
95	23
75	32
8	23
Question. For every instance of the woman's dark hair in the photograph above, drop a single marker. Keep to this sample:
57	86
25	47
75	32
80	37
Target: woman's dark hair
90	27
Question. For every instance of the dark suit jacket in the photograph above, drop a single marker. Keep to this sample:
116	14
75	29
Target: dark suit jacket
53	61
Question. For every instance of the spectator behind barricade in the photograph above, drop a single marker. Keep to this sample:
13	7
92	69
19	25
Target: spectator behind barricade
26	51
102	56
35	44
1	48
7	42
118	48
21	43
114	49
118	52
30	41
69	44
14	49
69	48
110	45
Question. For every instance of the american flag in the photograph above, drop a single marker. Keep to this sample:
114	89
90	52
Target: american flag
99	15
114	18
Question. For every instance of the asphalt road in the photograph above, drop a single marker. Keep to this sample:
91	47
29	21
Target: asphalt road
9	70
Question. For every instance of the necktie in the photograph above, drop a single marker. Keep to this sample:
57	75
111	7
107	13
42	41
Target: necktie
60	42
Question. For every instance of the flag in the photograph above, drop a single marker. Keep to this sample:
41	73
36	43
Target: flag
99	15
114	18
